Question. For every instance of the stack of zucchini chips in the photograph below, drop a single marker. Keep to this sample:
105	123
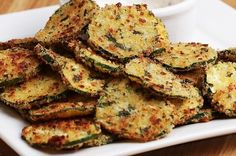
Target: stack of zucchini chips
93	76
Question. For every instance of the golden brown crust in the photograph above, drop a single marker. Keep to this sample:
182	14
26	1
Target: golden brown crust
186	56
17	65
127	111
126	32
65	134
93	60
220	86
74	75
38	90
158	79
67	21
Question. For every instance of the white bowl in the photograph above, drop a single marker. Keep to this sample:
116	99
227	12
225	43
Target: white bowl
179	20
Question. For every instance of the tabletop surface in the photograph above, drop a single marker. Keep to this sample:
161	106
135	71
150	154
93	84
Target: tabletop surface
219	146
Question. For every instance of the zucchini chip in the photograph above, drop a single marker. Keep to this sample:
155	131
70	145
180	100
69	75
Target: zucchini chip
74	75
67	21
95	61
17	65
228	55
60	110
34	92
220	86
185	109
204	115
161	81
65	134
186	56
26	43
126	32
125	110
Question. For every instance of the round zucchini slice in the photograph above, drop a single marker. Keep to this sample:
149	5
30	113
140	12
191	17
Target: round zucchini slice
38	90
17	65
61	110
228	55
65	134
186	56
74	75
95	61
220	86
67	21
125	110
126	32
157	78
185	109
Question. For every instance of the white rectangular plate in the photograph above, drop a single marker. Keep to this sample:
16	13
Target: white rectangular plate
214	27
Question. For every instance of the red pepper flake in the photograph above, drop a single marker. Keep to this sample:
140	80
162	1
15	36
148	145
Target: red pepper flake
112	47
110	30
141	13
154	120
131	16
142	20
163	73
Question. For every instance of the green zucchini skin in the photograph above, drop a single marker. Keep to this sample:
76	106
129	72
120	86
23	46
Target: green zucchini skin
76	76
17	65
93	60
182	57
204	115
61	110
63	134
102	139
37	91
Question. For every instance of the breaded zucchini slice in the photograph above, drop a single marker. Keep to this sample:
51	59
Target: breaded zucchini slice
125	110
95	61
204	115
65	134
74	75
155	77
185	109
220	86
227	55
67	21
17	65
36	91
126	32
60	110
186	56
26	43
